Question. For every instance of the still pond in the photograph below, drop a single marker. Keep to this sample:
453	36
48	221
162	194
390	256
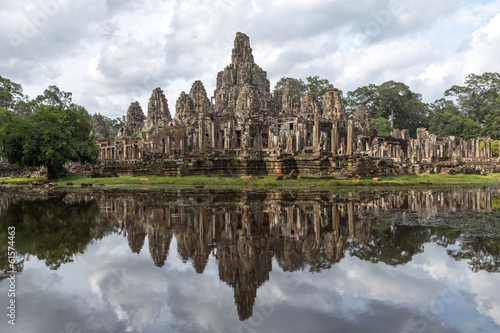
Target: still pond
200	260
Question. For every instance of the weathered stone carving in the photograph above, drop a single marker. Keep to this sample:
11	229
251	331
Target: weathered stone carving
135	121
248	101
309	105
290	100
361	120
158	113
198	95
241	71
242	52
332	105
184	108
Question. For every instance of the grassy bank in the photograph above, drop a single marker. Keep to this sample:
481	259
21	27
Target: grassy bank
400	180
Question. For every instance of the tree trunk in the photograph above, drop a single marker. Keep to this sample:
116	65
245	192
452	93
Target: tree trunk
392	117
56	170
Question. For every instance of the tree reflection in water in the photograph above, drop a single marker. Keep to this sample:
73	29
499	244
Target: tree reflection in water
245	230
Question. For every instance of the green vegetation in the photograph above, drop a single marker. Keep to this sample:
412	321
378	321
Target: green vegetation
447	120
382	126
50	229
314	84
105	127
268	181
46	131
393	101
51	136
10	93
478	96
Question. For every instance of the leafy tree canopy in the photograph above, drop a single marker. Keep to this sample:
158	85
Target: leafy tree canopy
393	101
447	120
10	93
478	97
382	126
491	126
105	127
313	83
52	136
280	85
54	96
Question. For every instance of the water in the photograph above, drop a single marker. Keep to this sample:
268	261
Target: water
185	260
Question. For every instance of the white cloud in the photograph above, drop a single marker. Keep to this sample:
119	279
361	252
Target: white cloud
110	53
485	49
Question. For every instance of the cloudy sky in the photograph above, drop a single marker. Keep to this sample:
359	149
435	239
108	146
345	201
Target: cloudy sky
109	53
108	289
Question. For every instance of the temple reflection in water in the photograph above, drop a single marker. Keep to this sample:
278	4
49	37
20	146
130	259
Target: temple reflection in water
308	229
245	230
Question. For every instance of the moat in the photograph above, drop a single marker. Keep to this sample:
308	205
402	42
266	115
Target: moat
200	260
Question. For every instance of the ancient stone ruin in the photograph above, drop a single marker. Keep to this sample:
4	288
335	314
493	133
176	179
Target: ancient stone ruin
249	130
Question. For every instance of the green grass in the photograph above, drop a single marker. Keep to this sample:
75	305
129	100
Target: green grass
269	181
9	180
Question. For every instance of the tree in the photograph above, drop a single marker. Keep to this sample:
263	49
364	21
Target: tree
491	125
10	93
25	107
54	96
317	86
105	127
393	101
382	126
52	136
314	84
447	120
478	97
495	148
280	85
440	112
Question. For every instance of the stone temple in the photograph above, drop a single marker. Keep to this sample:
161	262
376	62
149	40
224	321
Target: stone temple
245	129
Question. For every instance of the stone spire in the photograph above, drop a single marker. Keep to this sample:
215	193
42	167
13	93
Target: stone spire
233	78
309	105
332	105
188	108
135	115
199	96
291	99
135	121
184	108
361	120
158	113
242	52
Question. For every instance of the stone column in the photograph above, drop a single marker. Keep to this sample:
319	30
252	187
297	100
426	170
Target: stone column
201	134
316	130
245	138
226	138
335	138
350	138
212	134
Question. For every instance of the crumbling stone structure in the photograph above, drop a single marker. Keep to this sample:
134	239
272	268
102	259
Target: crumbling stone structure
249	130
